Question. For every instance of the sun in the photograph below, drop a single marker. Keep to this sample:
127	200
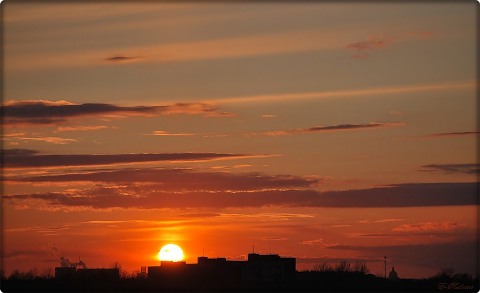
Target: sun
170	252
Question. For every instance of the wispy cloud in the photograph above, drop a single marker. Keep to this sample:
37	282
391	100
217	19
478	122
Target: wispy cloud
268	116
166	133
429	227
80	128
351	93
363	49
48	112
47	139
388	220
185	179
225	194
20	158
207	49
332	128
123	59
452	168
318	241
453	134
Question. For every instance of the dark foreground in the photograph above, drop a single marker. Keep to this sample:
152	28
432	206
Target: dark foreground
303	282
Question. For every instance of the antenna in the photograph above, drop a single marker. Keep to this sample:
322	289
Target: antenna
253	248
385	262
203	252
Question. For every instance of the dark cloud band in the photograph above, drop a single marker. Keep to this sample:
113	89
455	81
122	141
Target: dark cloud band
452	168
47	112
152	196
21	158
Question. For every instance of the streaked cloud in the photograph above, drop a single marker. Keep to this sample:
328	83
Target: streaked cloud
332	128
46	139
185	179
380	221
351	93
205	49
226	194
453	134
122	59
22	158
166	133
429	227
318	241
452	168
363	49
80	128
48	112
268	116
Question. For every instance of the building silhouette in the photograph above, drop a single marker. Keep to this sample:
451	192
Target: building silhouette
220	272
393	276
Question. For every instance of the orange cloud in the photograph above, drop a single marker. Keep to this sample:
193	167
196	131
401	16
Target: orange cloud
332	128
430	227
165	133
224	190
22	158
47	139
452	168
48	112
80	128
352	93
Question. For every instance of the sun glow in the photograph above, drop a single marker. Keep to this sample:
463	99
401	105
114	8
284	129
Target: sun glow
170	252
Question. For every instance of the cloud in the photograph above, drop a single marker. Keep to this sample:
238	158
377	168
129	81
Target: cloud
429	227
380	221
258	44
21	253
362	49
268	116
184	179
48	112
314	242
453	134
47	139
80	128
274	238
351	93
419	34
122	59
332	128
22	158
452	168
165	133
243	190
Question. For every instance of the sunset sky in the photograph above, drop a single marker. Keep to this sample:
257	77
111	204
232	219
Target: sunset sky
318	130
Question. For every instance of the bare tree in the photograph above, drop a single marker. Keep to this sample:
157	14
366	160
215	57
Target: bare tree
323	267
343	266
361	267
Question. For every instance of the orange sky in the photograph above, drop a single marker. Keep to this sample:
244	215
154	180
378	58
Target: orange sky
322	131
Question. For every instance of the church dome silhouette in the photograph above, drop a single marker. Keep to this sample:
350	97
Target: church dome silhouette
393	276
